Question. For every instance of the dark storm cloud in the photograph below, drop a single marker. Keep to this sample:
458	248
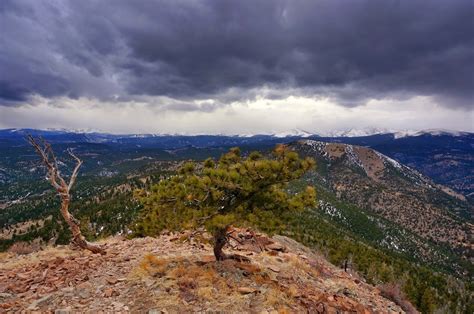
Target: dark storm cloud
226	50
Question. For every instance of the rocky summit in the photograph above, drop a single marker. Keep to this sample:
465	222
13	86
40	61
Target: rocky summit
177	272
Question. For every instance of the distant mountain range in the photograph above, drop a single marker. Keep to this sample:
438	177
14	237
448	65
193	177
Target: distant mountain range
296	132
445	156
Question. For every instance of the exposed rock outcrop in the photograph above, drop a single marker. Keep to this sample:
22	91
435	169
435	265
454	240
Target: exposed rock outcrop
177	273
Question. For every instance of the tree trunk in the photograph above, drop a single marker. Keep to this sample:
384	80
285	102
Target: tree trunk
77	237
45	151
220	240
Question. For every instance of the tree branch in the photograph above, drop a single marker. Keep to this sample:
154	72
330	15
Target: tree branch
42	152
76	169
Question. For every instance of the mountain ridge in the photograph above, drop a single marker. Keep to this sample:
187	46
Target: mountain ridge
382	186
177	272
296	132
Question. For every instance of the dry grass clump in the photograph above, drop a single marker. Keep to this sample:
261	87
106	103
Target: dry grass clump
220	283
47	254
205	273
201	281
277	299
5	256
296	263
293	291
262	279
23	248
190	280
393	292
154	266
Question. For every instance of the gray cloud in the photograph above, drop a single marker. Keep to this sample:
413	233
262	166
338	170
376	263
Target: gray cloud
226	50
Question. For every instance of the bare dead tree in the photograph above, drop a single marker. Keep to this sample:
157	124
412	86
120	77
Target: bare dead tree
45	151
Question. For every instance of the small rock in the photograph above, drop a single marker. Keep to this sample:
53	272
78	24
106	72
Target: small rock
111	280
248	268
84	285
247	290
252	247
118	304
361	309
274	268
320	308
276	247
149	283
63	311
23	276
5	296
273	253
83	293
109	292
347	292
68	289
34	304
334	309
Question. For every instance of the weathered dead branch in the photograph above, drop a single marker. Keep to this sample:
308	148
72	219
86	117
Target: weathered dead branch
48	158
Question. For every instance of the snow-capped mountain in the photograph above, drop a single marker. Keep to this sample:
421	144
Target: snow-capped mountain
353	132
294	133
432	132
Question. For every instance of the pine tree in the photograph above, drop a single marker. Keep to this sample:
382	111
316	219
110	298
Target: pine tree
232	191
428	301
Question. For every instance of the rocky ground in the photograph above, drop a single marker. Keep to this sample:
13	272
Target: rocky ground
177	273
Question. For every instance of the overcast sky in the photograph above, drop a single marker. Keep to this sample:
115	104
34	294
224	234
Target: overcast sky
237	66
